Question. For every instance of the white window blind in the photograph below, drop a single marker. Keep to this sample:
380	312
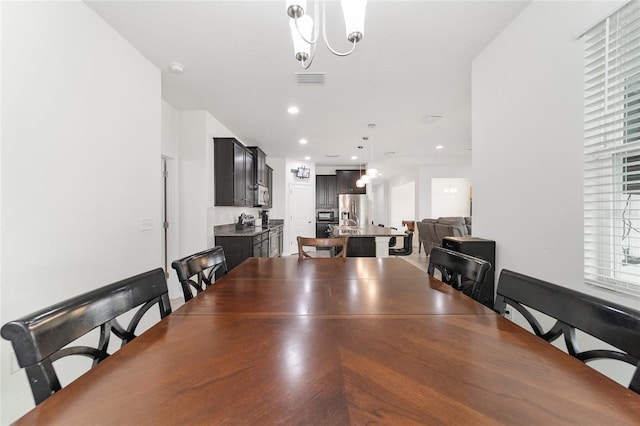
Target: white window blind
612	152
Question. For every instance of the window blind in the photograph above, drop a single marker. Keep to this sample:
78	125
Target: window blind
612	151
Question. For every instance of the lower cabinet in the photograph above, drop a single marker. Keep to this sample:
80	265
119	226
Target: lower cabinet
261	245
275	241
238	248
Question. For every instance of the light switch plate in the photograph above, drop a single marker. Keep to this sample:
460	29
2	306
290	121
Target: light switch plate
146	223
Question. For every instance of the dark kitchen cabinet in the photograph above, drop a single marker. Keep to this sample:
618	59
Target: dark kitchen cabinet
260	165
326	192
261	245
234	174
270	186
239	248
347	182
250	193
275	241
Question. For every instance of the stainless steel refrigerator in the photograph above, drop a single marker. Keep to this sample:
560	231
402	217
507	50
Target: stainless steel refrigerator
354	210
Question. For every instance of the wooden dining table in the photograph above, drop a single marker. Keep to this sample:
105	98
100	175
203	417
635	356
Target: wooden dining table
346	341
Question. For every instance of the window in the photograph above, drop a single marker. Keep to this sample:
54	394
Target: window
612	152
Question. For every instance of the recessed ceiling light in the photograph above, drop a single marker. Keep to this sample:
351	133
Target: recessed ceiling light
307	158
176	67
303	141
354	157
439	146
293	110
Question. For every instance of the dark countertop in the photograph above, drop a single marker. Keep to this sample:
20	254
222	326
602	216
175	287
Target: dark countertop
231	231
365	231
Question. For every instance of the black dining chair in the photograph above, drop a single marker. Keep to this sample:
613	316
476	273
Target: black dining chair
616	325
205	266
44	336
459	270
407	246
392	240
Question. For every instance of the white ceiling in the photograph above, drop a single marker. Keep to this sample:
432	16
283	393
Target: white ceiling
414	61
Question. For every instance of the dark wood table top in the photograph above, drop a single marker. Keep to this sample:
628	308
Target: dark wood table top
337	341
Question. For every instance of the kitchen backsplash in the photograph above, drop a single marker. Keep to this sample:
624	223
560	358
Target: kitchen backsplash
227	215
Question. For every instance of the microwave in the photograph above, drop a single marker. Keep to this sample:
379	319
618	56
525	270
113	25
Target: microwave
263	196
326	216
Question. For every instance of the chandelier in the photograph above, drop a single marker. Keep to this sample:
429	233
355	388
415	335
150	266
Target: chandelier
305	34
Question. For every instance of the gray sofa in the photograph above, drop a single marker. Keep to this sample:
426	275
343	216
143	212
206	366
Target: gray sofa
432	231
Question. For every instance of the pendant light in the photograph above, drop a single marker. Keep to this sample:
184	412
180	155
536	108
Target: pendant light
372	172
360	183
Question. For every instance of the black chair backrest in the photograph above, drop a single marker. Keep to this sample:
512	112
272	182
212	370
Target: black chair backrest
202	265
392	240
611	323
42	337
461	271
337	245
407	246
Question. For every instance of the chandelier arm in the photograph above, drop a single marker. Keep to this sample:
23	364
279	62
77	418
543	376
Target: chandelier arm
324	35
311	57
302	35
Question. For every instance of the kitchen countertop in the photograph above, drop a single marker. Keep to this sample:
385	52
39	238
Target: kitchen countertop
365	231
231	231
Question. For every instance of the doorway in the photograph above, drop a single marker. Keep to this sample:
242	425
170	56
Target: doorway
302	210
169	220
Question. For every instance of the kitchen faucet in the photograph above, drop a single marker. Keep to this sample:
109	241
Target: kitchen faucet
354	222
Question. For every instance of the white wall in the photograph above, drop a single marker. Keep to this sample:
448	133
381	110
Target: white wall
194	186
428	172
528	149
450	197
527	132
198	212
403	203
380	198
279	187
80	163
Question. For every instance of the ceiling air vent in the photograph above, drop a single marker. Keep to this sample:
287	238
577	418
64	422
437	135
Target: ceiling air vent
333	155
310	78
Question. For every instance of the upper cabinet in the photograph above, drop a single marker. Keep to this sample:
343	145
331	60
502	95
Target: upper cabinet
270	186
326	192
260	168
234	173
347	182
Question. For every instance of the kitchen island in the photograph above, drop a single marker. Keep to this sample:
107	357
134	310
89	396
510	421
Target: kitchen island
366	241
